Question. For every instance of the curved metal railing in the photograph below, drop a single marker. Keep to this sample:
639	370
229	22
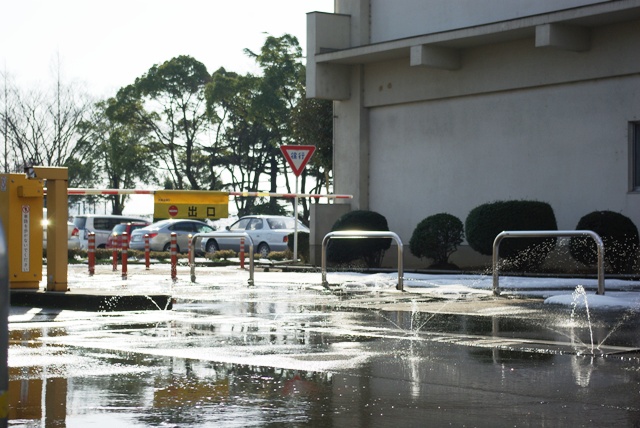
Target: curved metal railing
547	234
356	234
238	235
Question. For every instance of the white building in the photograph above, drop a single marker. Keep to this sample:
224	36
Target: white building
443	105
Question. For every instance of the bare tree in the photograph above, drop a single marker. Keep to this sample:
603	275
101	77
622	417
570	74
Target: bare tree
41	126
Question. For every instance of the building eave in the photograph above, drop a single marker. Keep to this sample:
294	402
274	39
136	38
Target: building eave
585	17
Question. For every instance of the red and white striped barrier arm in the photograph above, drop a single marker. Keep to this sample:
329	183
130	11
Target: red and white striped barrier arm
80	192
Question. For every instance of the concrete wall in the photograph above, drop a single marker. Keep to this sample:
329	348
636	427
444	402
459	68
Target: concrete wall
452	155
515	119
500	136
497	67
322	219
397	19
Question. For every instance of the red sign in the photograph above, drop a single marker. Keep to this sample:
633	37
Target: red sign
297	156
173	211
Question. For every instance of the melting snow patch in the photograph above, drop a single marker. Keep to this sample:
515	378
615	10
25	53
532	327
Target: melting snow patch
595	301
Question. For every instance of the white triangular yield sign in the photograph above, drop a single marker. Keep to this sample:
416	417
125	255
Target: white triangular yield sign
297	156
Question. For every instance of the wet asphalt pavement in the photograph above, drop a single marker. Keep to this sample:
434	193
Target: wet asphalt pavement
289	352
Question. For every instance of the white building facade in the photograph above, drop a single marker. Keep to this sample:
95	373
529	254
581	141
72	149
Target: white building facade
443	105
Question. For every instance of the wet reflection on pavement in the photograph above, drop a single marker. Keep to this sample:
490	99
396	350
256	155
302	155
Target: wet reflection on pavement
294	354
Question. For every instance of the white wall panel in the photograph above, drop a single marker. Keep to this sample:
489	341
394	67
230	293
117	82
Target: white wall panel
396	19
566	145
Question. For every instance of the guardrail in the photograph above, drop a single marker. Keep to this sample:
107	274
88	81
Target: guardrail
358	234
237	235
547	234
4	329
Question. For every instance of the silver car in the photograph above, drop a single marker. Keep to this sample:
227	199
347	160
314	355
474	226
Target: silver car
73	233
268	232
160	234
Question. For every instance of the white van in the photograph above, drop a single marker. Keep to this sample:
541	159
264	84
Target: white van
101	225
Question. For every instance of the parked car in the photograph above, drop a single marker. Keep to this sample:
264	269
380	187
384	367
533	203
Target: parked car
119	229
101	225
73	234
160	234
268	232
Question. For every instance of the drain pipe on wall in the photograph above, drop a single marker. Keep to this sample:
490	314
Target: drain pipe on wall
4	329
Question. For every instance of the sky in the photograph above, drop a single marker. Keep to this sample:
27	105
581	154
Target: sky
106	45
102	46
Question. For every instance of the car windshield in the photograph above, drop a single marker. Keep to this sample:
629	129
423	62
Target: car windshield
284	223
159	225
80	222
280	223
119	228
240	224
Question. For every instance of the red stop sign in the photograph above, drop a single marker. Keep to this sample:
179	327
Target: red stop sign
173	211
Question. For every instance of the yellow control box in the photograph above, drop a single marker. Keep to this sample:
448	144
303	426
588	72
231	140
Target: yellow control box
21	203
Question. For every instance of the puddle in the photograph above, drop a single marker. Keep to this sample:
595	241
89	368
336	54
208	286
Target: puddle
290	356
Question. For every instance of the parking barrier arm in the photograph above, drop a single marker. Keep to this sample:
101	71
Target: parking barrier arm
238	235
357	234
545	234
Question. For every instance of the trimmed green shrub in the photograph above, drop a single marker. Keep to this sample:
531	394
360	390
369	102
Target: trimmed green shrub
619	236
221	254
486	221
278	255
303	245
437	237
370	250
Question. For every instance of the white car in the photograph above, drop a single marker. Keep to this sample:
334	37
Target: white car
268	232
101	225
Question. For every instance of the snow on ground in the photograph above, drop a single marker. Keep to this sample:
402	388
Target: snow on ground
557	291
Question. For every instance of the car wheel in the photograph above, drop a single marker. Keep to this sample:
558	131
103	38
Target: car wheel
263	250
167	247
212	246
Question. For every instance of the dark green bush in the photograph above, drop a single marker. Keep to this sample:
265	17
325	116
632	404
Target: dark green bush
303	245
486	221
437	237
279	255
619	236
370	250
221	254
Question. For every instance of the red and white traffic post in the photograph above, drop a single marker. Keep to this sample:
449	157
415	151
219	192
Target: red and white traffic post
92	253
147	249
241	255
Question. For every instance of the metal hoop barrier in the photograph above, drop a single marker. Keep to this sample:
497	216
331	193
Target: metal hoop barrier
125	255
4	329
173	251
114	252
547	234
238	235
357	234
